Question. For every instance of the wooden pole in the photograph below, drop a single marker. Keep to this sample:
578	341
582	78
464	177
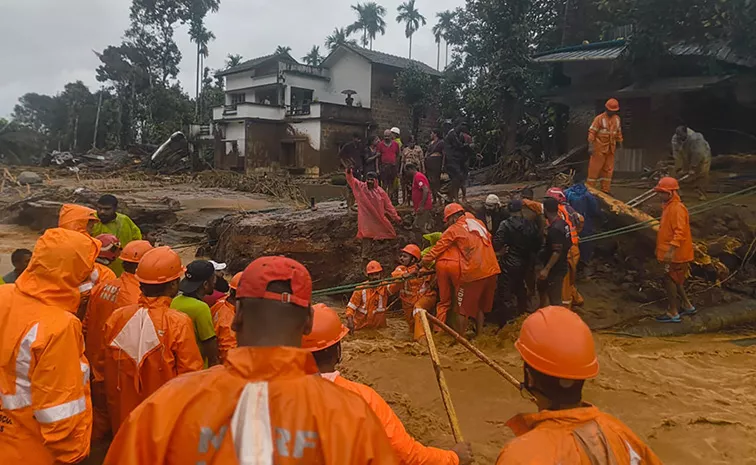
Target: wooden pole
445	396
483	357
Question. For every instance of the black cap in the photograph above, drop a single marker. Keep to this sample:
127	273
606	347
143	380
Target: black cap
197	273
515	205
371	175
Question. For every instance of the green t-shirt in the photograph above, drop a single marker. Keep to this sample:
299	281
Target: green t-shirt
125	230
200	314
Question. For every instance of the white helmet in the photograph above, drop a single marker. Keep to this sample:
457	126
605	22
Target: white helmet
493	201
396	131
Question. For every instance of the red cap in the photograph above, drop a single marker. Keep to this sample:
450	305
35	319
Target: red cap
261	272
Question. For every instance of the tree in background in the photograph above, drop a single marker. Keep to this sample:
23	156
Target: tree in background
233	60
338	37
415	89
282	50
441	31
410	15
313	58
369	20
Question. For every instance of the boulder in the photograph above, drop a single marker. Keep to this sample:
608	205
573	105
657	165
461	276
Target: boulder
28	177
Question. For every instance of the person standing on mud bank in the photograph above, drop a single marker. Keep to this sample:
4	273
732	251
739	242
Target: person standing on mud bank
586	204
422	201
117	224
265	404
603	136
367	306
554	255
412	154
457	152
434	163
374	211
674	249
199	280
325	344
352	156
389	162
692	156
559	354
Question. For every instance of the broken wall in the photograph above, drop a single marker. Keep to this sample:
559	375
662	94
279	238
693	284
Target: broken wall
389	112
263	145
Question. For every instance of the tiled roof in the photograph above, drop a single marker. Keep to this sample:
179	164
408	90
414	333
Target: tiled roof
391	60
249	64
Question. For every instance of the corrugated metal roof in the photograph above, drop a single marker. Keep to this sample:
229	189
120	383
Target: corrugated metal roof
391	60
717	50
672	85
608	53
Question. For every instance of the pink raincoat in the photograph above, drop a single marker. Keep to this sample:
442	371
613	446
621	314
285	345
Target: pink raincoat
372	207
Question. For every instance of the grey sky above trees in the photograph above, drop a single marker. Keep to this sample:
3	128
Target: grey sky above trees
48	43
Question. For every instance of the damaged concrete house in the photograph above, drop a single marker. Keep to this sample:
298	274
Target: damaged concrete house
280	114
709	88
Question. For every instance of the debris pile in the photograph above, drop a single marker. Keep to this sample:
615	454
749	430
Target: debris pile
278	186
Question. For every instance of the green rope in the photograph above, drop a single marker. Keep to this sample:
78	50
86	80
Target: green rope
365	285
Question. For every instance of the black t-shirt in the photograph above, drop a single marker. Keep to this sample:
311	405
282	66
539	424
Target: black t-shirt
353	152
557	233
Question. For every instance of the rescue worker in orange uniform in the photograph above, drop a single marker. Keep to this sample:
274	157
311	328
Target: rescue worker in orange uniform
603	135
558	352
149	343
223	316
479	266
367	306
324	341
570	294
44	375
674	249
106	297
263	406
417	293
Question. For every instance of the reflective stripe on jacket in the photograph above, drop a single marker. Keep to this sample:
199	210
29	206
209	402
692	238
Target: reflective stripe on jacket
262	407
223	316
604	133
44	376
368	307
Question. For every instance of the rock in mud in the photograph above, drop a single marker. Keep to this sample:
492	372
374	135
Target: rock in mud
28	177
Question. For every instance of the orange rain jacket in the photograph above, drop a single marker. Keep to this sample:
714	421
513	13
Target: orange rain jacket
368	307
416	294
44	377
223	315
262	407
146	345
409	451
604	133
477	256
674	229
575	436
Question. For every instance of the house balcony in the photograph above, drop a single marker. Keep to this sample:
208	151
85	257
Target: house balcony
249	110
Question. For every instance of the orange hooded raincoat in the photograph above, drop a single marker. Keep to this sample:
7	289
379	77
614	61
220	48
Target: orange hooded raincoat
106	297
368	307
262	407
409	451
146	345
584	436
223	315
674	230
44	376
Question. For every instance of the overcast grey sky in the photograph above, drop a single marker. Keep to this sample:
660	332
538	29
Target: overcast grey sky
48	43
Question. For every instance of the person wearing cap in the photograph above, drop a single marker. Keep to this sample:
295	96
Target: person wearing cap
396	134
516	241
603	136
554	255
558	356
148	343
478	264
198	282
265	404
220	288
106	297
367	306
117	224
491	214
417	293
223	316
674	250
375	212
324	341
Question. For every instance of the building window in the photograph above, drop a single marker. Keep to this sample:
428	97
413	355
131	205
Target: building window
238	98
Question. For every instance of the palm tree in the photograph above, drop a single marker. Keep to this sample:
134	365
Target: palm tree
369	20
442	28
282	50
233	60
339	37
409	15
313	58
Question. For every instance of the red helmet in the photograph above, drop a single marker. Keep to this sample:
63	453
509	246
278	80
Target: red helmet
667	184
612	104
557	194
373	267
327	329
451	209
111	247
413	250
556	342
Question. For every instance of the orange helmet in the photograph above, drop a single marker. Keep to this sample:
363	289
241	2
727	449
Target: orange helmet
612	104
327	329
373	267
158	266
413	250
111	246
451	209
556	342
667	184
234	284
135	250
